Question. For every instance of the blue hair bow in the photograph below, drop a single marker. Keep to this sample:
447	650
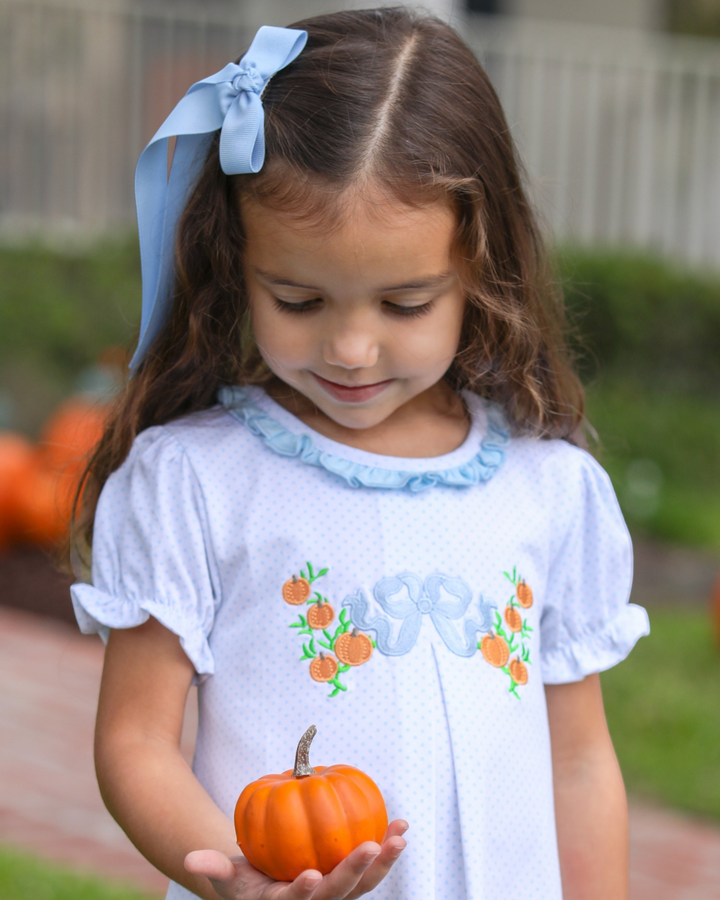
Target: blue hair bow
230	101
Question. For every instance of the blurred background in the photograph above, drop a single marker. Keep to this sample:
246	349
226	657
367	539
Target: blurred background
615	107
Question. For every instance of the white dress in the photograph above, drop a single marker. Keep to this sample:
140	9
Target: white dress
457	586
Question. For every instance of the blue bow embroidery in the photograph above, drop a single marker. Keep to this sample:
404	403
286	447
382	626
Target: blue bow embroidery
420	599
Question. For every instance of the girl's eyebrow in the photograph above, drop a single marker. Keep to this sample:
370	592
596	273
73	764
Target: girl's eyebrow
420	284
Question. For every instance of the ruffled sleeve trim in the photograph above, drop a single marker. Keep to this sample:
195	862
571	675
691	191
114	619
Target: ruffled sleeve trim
98	613
481	467
596	651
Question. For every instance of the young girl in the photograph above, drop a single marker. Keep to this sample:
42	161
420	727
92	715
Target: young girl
343	487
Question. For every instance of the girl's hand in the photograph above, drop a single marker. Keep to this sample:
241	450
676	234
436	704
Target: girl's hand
360	872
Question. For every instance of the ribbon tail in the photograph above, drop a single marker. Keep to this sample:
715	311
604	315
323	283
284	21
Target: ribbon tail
158	217
358	606
452	639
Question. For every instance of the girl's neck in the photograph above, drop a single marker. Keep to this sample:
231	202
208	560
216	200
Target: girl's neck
434	423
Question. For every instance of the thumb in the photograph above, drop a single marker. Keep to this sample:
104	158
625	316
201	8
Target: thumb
210	863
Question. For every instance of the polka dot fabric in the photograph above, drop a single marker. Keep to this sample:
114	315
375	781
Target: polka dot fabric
203	525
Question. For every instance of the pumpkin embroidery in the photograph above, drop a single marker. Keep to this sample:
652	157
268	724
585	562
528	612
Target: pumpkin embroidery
296	590
353	648
503	643
350	646
497	646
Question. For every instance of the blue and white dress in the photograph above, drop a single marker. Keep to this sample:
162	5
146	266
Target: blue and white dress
442	593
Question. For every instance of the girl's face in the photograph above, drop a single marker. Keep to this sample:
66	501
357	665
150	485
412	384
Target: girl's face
361	318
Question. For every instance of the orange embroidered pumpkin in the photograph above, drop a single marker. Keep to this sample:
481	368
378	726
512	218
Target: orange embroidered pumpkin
308	818
524	594
495	650
353	648
513	619
296	590
320	615
518	671
323	668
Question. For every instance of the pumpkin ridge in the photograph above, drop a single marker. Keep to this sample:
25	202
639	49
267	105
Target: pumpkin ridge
374	806
251	820
292	845
354	800
327	831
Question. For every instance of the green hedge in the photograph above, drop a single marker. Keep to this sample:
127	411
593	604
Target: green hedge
638	318
647	335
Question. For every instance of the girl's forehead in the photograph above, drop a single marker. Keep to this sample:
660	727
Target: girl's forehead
372	220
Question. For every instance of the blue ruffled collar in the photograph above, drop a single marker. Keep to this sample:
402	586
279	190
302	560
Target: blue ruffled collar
477	459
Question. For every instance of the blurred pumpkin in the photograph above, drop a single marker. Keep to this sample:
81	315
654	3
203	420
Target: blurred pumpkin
46	497
308	818
18	464
45	506
71	433
715	608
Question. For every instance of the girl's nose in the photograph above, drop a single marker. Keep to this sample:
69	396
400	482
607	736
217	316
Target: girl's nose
351	347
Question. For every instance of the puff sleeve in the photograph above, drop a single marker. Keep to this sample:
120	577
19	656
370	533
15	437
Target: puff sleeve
587	624
150	554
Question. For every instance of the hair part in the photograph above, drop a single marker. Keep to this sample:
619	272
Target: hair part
396	99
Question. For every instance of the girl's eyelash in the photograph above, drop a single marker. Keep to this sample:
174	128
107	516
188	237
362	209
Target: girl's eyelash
304	306
394	308
410	311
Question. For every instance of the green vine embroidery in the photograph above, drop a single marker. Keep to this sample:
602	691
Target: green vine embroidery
348	652
511	635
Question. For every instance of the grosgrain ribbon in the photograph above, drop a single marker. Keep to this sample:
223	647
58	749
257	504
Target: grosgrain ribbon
228	100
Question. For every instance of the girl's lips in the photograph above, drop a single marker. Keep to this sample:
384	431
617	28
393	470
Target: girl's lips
347	394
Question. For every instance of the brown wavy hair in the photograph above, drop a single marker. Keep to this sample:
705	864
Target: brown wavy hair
393	98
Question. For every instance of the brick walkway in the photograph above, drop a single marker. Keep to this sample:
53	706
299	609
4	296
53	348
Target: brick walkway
50	804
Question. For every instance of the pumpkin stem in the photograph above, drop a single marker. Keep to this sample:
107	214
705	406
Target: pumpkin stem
355	632
302	756
295	579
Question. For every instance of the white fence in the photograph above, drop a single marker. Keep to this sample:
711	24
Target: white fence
620	131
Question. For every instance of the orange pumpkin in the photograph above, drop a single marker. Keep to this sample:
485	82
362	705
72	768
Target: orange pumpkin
70	435
18	464
518	671
353	648
296	590
308	818
323	668
46	506
513	619
495	650
320	615
524	594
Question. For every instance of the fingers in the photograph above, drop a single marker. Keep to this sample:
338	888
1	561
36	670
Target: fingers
396	828
211	864
346	875
392	847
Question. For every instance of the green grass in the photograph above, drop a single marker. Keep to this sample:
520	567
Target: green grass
663	709
25	877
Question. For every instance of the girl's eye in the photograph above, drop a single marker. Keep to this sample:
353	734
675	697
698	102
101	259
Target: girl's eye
298	307
409	311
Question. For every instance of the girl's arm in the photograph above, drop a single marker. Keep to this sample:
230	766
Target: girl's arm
154	795
590	802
